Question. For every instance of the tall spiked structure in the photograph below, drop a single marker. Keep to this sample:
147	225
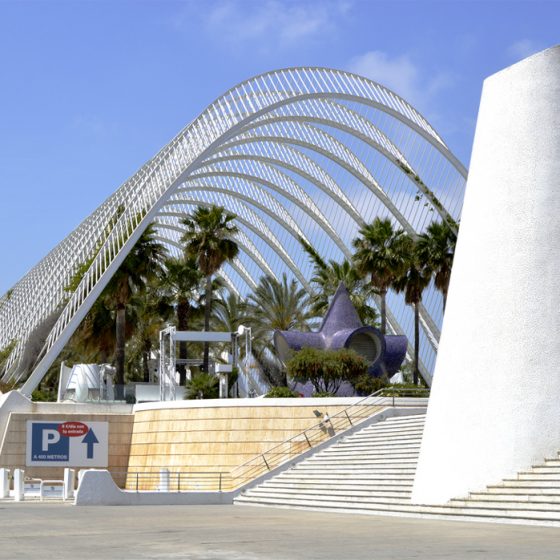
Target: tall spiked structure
495	403
308	153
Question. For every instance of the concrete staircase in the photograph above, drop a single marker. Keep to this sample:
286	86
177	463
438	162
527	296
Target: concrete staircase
370	469
372	472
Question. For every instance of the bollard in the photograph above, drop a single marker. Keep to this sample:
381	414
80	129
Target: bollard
18	485
69	484
164	480
4	483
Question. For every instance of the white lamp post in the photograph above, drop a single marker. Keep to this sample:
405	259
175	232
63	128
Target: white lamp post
243	330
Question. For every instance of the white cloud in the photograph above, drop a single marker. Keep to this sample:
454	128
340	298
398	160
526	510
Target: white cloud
270	24
523	48
402	75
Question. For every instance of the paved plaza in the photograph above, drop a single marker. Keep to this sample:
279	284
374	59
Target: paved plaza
54	531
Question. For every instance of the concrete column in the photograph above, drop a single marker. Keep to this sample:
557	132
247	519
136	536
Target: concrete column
495	403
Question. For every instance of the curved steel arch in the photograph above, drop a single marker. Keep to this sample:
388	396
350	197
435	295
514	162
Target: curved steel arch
253	222
241	238
111	231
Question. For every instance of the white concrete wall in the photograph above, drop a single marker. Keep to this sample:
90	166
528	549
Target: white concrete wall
495	402
97	488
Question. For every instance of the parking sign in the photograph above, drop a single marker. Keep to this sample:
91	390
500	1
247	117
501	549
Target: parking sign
67	444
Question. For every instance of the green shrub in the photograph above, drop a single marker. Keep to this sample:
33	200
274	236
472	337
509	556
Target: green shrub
323	394
366	384
42	395
281	393
202	386
406	390
326	369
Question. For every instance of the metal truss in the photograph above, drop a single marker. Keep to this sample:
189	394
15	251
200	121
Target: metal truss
308	153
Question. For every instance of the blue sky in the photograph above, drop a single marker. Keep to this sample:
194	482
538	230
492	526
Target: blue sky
91	89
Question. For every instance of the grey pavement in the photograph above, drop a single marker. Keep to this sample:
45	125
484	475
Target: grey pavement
55	531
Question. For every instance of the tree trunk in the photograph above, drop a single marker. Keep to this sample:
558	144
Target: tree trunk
120	326
183	307
207	321
145	368
444	294
383	294
416	342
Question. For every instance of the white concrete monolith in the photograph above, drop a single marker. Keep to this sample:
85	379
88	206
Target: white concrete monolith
495	402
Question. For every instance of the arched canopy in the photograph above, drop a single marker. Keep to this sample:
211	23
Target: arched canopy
300	152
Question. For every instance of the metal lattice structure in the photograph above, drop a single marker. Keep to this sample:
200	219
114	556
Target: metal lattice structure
301	152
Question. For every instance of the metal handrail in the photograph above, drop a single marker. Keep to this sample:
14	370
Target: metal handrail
326	427
177	481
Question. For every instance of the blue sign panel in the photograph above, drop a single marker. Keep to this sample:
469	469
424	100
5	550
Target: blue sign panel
48	444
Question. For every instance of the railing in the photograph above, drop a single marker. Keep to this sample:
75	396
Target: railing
321	432
329	426
165	480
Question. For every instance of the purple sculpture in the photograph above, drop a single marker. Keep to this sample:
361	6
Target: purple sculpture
342	328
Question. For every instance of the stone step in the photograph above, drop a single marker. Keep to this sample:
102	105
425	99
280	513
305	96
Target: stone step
403	421
545	469
530	475
396	463
356	497
350	453
523	490
386	444
345	489
372	467
365	445
513	497
346	460
504	504
388	424
375	475
392	419
386	508
355	483
386	452
390	430
384	469
346	479
516	483
383	440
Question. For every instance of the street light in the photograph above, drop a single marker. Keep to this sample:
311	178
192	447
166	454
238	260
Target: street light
243	330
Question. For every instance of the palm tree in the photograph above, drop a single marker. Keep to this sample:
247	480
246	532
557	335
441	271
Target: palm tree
94	339
377	255
328	276
142	263
275	305
183	281
437	249
151	307
209	239
229	312
413	281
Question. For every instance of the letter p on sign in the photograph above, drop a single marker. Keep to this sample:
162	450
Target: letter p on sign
50	437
